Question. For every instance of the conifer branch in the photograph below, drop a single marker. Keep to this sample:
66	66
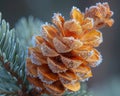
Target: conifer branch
26	30
12	61
8	93
14	74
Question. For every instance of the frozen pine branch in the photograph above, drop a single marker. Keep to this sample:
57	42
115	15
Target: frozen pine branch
27	29
12	61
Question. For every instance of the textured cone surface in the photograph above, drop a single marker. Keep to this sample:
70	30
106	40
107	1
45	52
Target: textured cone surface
101	14
64	54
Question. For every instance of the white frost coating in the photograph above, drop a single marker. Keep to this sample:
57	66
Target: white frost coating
85	80
73	25
38	88
86	9
100	60
42	78
63	81
55	93
67	82
70	38
54	67
72	43
34	40
74	20
86	54
100	40
47	51
28	73
96	63
91	19
47	24
101	3
75	8
97	4
91	52
55	15
34	59
92	7
43	31
71	63
60	46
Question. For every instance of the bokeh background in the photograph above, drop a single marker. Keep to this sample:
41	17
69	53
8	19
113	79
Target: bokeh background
106	77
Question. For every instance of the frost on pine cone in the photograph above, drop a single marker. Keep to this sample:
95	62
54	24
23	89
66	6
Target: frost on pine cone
64	54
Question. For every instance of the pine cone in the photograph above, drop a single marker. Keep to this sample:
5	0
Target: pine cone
101	14
64	54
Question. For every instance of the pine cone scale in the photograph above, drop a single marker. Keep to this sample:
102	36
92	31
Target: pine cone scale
47	51
73	87
36	56
59	45
69	63
56	67
56	88
32	66
36	82
46	75
68	77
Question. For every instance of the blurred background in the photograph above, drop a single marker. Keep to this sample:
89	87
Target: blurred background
106	77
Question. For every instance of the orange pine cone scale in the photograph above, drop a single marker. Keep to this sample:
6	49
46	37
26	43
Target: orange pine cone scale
64	54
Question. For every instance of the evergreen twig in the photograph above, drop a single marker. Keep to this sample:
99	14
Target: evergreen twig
8	93
14	74
12	62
